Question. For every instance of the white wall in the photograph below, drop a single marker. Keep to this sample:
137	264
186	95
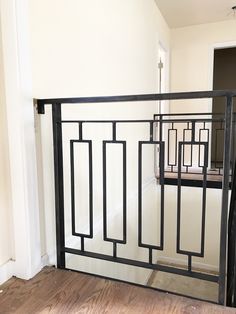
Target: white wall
192	60
95	47
86	48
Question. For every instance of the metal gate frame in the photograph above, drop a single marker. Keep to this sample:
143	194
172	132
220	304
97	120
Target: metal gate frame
59	188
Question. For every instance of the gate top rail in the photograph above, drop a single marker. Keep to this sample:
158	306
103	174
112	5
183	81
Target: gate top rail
130	98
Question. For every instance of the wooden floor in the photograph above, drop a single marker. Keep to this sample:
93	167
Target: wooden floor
59	291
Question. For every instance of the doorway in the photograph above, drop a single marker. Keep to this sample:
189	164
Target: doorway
224	78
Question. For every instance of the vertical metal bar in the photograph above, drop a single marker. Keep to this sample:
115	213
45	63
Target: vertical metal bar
214	126
151	131
231	284
179	197
155	150
72	178
233	158
124	195
81	130
234	286
140	193
162	179
114	249
161	133
176	146
216	148
193	131
199	149
82	244
150	256
90	189
204	186
193	136
225	199
114	131
189	263
59	184
104	191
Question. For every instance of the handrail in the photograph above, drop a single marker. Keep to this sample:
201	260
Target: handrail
131	98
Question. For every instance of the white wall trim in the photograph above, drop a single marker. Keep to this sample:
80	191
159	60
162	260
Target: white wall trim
166	103
21	137
45	261
6	271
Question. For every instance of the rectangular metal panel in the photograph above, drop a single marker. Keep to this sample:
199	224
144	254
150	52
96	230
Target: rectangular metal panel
72	164
204	186
124	235
161	163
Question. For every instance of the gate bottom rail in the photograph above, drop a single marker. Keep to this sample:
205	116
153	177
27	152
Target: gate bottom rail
163	268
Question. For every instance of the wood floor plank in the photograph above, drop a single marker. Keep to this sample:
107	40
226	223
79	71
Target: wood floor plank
41	286
60	291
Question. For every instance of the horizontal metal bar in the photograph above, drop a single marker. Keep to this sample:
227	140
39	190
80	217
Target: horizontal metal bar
189	114
132	98
193	182
109	121
192	114
126	261
143	121
196	120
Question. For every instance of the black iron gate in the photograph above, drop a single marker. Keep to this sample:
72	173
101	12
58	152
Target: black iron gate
195	125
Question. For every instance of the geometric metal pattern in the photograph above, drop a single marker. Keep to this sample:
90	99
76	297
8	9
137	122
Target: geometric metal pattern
195	127
180	159
140	212
105	237
72	163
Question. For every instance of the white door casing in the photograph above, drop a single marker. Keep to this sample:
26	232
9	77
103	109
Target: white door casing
21	137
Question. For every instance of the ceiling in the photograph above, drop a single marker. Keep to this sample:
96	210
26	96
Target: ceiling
180	13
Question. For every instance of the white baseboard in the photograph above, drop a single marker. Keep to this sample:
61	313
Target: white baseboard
49	259
45	261
181	262
6	271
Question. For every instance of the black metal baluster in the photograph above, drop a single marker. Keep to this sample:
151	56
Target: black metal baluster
59	184
225	198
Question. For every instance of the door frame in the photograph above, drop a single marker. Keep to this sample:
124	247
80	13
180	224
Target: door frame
18	101
222	45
